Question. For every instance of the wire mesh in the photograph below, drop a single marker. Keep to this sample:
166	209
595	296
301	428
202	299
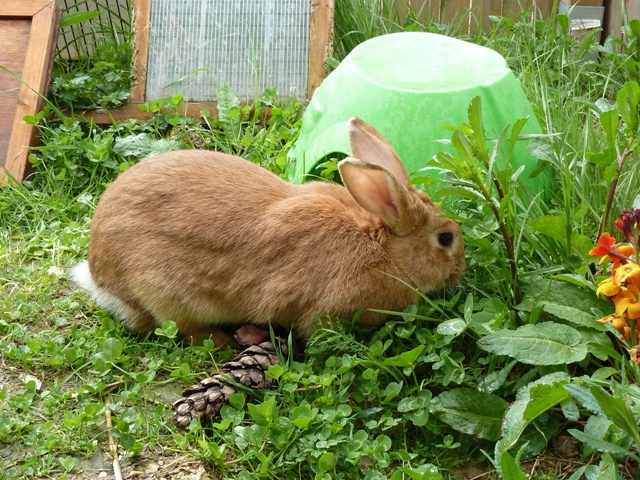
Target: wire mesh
80	40
195	45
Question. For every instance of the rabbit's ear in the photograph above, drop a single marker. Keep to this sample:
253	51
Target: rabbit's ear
379	192
368	145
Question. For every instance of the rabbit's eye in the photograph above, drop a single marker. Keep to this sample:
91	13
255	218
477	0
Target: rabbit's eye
445	239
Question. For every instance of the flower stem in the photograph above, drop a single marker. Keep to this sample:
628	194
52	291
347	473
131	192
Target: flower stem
508	241
612	190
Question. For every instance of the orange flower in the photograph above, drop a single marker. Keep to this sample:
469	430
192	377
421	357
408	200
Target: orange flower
634	311
618	256
626	302
605	242
618	322
608	287
628	274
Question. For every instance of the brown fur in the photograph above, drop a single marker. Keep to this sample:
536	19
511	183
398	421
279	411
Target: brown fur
204	238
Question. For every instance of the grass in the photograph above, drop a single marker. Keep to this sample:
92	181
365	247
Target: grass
422	397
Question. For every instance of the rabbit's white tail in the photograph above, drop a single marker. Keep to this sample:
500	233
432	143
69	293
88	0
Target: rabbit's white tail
81	275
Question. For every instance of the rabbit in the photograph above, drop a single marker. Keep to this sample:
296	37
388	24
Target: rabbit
209	239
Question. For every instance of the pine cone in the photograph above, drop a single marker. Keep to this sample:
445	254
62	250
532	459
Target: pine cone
248	368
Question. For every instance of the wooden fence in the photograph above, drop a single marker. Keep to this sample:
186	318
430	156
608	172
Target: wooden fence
474	14
79	39
613	19
469	14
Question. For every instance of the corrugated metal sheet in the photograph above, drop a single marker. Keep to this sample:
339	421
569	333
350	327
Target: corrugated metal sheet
195	45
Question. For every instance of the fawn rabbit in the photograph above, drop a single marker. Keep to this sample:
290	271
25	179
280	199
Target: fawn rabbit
204	239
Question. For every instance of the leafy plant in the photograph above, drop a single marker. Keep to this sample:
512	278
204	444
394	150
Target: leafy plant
487	178
472	374
623	140
93	69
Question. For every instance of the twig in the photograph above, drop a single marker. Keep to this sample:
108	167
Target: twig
484	474
108	389
535	465
113	449
508	241
612	190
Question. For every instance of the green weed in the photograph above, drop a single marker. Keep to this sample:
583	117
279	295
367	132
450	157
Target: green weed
489	372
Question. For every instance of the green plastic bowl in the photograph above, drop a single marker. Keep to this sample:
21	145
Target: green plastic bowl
409	86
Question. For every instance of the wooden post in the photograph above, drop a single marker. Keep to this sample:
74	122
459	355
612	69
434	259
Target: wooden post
30	30
320	34
142	27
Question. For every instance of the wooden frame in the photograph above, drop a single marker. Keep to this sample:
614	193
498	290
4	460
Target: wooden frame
613	20
320	34
30	56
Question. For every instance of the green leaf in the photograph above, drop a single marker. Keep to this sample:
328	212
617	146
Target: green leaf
570	409
419	417
515	134
144	145
545	343
237	401
583	396
611	172
228	106
514	421
461	192
77	17
462	146
183	371
405	359
416	408
597	342
544	397
577	475
453	327
628	102
111	349
372	475
616	409
392	390
604	158
510	469
602	445
423	472
264	413
408	404
68	463
536	435
554	226
474	113
127	441
302	415
169	329
610	121
327	462
608	468
496	379
470	411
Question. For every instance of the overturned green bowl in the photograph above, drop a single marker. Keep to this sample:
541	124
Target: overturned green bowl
409	86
